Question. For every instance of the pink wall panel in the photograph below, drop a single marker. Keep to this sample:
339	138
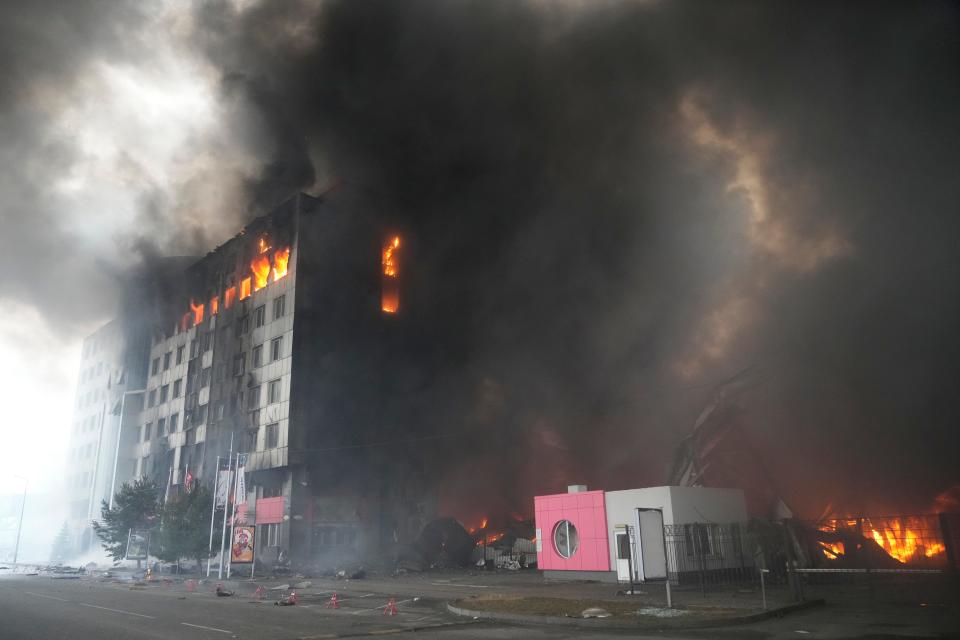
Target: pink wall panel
587	512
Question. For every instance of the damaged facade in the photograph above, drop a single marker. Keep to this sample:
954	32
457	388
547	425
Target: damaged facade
287	341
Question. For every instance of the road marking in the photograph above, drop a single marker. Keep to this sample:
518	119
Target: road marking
468	586
383	606
129	613
41	595
200	626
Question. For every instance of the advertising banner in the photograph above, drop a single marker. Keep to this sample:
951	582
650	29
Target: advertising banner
242	549
138	544
223	488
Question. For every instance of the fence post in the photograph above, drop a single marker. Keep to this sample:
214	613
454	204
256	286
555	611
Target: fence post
763	588
948	544
698	545
792	577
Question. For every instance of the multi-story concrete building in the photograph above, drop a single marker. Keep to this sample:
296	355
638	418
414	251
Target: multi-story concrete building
111	364
281	344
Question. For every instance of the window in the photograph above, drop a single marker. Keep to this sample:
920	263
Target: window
255	419
273	534
161	426
219	413
565	538
152	398
242	326
278	306
205	377
164	393
239	364
174	422
273	436
257	359
147	429
207	341
259	316
253	400
276	346
180	354
273	392
155	366
696	538
176	388
221	371
166	360
194	348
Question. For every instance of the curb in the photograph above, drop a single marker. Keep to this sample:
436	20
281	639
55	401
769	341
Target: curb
603	623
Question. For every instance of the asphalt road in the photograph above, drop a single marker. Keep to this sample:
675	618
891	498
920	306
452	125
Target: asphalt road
44	607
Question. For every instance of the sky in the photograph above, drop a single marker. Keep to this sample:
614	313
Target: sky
618	205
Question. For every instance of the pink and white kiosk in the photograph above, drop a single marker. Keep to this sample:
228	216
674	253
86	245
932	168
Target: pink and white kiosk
619	535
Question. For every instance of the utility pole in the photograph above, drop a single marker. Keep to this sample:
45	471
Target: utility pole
23	504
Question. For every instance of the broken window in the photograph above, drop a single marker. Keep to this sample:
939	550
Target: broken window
229	296
273	391
239	364
180	350
194	348
253	400
245	288
273	436
279	306
176	388
390	286
244	323
276	347
174	422
161	426
147	429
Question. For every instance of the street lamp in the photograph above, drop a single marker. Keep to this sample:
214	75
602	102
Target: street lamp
116	455
23	504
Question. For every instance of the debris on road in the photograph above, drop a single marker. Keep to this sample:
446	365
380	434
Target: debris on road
287	601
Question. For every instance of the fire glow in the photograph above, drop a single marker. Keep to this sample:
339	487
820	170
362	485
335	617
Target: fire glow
902	538
390	294
260	271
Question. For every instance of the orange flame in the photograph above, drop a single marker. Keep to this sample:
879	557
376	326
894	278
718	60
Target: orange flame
214	305
260	266
483	523
245	288
901	539
281	257
390	294
229	296
197	310
185	321
262	245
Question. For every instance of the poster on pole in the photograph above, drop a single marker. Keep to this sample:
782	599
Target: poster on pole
241	552
138	544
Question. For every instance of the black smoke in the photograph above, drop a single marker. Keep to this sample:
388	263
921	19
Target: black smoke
588	274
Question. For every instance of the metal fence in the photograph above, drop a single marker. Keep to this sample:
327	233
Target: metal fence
794	553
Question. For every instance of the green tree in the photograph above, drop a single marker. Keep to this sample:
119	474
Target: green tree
185	527
135	506
62	547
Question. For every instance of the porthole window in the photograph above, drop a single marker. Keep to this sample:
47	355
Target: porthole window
565	538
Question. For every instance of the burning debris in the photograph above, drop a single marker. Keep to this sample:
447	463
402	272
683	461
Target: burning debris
885	543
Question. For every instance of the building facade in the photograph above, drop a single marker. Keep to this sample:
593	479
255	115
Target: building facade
279	345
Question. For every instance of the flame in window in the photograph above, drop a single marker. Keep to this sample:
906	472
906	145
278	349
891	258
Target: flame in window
390	292
245	288
229	296
214	305
197	311
281	257
262	245
260	266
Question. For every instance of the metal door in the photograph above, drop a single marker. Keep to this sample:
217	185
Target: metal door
653	553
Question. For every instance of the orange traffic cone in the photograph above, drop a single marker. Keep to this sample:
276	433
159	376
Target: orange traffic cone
260	592
391	608
334	602
191	585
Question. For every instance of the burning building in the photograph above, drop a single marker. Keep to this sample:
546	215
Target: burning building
285	343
